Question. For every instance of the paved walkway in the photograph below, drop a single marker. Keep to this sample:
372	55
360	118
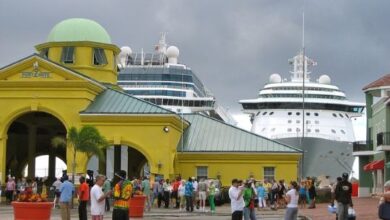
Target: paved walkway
366	209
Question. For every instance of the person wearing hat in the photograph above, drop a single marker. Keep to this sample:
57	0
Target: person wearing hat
343	195
122	193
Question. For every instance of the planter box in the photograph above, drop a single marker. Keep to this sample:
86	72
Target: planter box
32	210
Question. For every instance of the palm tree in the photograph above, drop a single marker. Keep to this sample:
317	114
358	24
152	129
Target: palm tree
87	140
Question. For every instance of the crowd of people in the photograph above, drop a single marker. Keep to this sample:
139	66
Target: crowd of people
14	187
246	195
185	195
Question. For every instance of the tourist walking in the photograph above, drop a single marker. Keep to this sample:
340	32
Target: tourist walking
312	194
166	187
248	196
98	198
261	196
160	194
83	198
181	193
155	186
188	193
174	195
202	192
66	190
122	193
236	200
343	195
302	194
274	194
10	189
107	188
195	194
281	193
146	191
56	185
292	197
384	205
212	190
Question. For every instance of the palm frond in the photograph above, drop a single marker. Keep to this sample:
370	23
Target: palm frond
88	140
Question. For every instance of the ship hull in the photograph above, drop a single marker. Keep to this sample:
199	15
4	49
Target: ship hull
322	156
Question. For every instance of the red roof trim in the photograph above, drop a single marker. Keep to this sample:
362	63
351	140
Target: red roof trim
383	81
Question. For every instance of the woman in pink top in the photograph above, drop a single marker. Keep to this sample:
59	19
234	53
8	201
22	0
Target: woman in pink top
10	189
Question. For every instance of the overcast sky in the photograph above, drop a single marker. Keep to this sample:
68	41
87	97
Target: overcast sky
233	46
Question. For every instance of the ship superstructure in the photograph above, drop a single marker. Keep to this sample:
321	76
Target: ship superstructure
159	78
315	116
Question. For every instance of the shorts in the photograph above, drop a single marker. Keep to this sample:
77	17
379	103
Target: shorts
202	195
302	197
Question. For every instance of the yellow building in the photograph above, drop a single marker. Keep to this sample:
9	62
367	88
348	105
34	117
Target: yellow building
71	81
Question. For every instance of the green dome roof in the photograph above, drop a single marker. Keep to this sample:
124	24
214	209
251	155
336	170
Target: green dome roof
78	29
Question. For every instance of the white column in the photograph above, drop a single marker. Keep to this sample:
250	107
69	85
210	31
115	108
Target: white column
110	163
124	158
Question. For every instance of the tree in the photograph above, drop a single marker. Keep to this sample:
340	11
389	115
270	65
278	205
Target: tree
87	140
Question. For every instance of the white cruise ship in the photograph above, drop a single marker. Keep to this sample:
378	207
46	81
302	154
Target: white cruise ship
159	78
313	116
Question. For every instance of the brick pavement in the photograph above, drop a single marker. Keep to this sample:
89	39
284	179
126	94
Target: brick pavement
366	209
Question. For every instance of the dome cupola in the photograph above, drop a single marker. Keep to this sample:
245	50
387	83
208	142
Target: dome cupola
83	45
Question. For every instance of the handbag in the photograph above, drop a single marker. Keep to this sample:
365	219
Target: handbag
332	209
351	214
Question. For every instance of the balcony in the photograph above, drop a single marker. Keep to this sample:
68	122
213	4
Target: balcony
383	141
363	148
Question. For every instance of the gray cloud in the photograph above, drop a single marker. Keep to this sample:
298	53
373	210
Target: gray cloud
233	46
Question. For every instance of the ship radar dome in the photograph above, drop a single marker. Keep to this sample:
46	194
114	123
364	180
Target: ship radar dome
275	78
324	79
172	54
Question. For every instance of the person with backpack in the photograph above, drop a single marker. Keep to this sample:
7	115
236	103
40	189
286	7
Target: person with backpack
343	195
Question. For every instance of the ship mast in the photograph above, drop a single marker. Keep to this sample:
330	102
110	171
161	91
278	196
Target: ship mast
304	77
303	91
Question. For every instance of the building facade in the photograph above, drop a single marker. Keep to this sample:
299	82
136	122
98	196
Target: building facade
373	155
72	81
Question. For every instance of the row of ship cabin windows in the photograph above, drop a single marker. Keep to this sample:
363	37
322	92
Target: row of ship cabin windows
307	114
307	130
307	122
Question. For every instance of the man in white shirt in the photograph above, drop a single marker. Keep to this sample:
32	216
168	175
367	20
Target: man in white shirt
237	201
98	198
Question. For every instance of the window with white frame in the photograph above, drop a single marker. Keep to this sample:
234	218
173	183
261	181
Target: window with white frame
201	172
67	55
99	57
269	173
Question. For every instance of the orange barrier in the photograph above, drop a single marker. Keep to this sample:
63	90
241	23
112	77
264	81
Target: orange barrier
136	206
355	189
